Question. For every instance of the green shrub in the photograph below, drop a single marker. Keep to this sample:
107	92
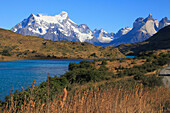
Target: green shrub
5	52
139	76
104	62
93	54
83	75
73	66
152	81
103	68
34	51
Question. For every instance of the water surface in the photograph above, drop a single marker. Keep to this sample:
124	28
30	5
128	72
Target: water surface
130	56
22	73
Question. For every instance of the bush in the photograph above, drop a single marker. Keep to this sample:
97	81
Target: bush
93	54
103	68
56	84
34	51
104	62
73	66
82	64
83	75
152	81
5	52
139	76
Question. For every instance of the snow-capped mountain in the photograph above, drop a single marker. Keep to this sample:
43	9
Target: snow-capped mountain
164	22
143	28
103	36
122	32
61	27
58	27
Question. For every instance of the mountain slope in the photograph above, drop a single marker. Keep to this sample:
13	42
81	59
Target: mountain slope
122	32
164	22
58	27
142	30
14	46
160	40
61	27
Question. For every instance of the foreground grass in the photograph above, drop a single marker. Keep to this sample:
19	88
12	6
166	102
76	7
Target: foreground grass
93	87
99	100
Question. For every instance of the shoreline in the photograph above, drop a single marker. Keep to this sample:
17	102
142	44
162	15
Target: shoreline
45	58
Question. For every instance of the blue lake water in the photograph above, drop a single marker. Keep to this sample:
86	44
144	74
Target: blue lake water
22	73
130	56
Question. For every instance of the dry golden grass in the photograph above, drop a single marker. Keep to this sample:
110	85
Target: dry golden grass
30	47
95	100
117	63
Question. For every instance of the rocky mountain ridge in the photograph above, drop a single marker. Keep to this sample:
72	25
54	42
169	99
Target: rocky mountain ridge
61	27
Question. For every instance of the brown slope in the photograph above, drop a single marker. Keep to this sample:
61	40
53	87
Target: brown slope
14	46
159	41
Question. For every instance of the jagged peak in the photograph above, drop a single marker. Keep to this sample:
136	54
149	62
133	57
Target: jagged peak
150	15
149	18
31	15
139	19
125	28
96	29
102	30
165	19
38	15
62	17
83	26
63	14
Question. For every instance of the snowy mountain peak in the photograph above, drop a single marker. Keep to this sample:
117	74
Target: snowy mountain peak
95	30
61	27
38	15
51	19
102	36
165	19
123	31
31	15
102	30
58	27
164	22
63	13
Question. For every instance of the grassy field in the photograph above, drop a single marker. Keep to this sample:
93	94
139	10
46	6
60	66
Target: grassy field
95	100
105	85
113	86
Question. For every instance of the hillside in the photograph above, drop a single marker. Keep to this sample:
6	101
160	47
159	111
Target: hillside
159	41
14	46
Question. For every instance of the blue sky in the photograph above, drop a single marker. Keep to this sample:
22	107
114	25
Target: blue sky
111	15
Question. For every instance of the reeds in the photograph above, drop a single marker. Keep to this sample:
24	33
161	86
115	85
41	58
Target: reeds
95	100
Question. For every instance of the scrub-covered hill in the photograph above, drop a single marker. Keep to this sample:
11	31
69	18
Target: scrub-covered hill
14	46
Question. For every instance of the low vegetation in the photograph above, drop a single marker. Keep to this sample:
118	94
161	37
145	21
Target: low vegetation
115	100
15	46
98	86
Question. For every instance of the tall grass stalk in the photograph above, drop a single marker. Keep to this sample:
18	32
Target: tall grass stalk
112	100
